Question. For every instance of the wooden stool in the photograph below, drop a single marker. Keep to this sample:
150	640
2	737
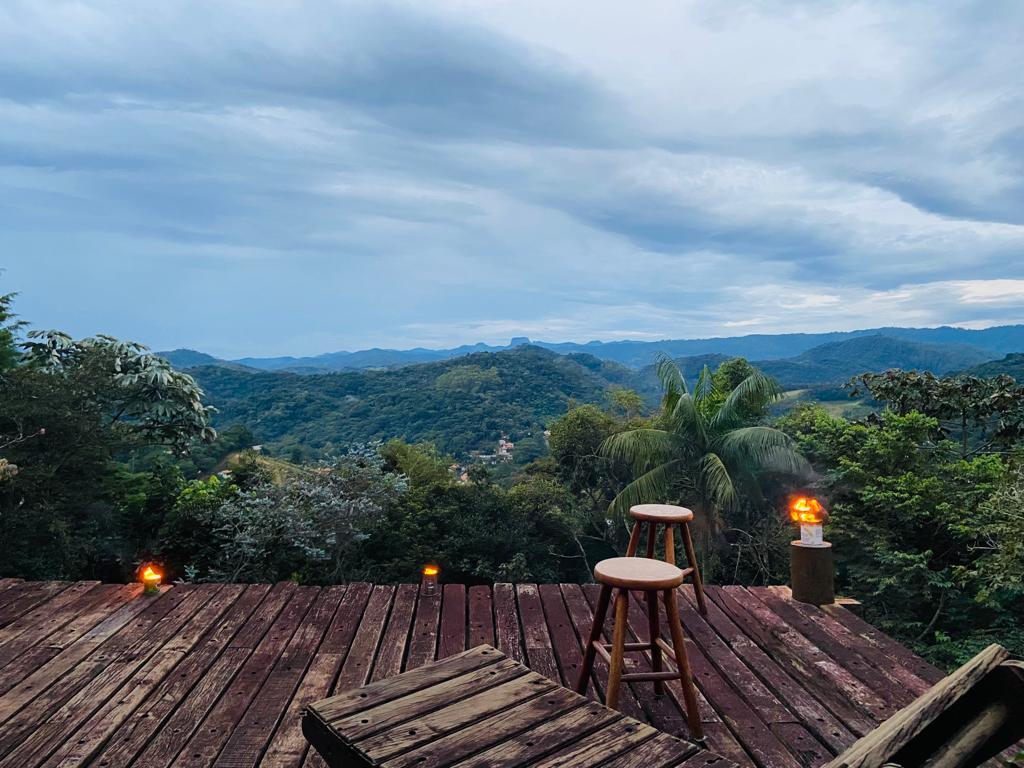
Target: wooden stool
667	515
650	577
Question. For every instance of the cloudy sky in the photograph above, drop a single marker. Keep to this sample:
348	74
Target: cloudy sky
305	176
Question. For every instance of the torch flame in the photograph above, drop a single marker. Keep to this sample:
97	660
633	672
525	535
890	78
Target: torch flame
431	570
806	510
151	575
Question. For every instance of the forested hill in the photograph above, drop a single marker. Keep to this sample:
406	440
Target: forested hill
839	361
1011	365
461	405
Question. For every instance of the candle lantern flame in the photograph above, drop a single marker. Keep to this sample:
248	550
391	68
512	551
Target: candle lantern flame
151	578
429	583
806	510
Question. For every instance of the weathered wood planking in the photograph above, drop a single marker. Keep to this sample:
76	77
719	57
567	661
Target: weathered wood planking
439	710
97	675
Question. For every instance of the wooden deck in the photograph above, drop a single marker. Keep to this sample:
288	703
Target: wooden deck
217	674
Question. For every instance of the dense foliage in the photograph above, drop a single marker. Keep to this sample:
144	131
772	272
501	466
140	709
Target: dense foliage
459	405
107	457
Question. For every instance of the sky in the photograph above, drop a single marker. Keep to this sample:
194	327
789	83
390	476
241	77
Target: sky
305	176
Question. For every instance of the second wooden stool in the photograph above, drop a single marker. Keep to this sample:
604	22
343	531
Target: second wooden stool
650	577
667	515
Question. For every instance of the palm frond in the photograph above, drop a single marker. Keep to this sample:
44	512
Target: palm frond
672	381
716	483
705	387
649	487
754	391
640	448
761	448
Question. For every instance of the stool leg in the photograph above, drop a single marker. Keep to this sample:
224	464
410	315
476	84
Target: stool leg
634	539
595	637
670	545
652	537
618	648
654	630
698	582
675	626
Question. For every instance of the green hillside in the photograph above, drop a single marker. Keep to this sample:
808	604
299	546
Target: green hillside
461	405
839	361
1011	365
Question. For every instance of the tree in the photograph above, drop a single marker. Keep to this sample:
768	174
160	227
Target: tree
703	449
77	416
983	414
628	402
929	541
9	328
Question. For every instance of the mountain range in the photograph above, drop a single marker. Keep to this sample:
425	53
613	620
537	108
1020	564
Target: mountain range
466	403
993	342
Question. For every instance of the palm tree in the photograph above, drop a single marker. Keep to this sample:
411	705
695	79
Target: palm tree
706	448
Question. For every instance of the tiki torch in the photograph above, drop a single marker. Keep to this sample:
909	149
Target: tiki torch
811	572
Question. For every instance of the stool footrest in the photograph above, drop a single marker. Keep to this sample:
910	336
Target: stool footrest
650	676
666	648
603	649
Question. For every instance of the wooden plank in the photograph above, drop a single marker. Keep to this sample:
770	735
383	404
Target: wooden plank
481	617
612	740
194	708
488	732
454	717
423	641
833	686
453	621
150	718
506	622
354	701
358	664
582	617
839	633
801	702
667	713
48	687
705	759
23	597
99	678
208	740
564	642
33	626
250	737
884	742
289	747
760	698
83	744
369	722
897	689
742	719
658	752
540	656
523	749
396	637
897	653
108	602
801	743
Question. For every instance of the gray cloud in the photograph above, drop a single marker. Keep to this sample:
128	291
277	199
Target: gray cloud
293	178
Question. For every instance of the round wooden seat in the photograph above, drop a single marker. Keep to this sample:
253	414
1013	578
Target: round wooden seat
638	573
661	513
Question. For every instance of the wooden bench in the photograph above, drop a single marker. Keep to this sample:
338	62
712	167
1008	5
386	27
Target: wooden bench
480	709
963	720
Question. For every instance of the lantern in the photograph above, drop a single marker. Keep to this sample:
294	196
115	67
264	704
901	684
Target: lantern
811	572
807	512
150	576
429	584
